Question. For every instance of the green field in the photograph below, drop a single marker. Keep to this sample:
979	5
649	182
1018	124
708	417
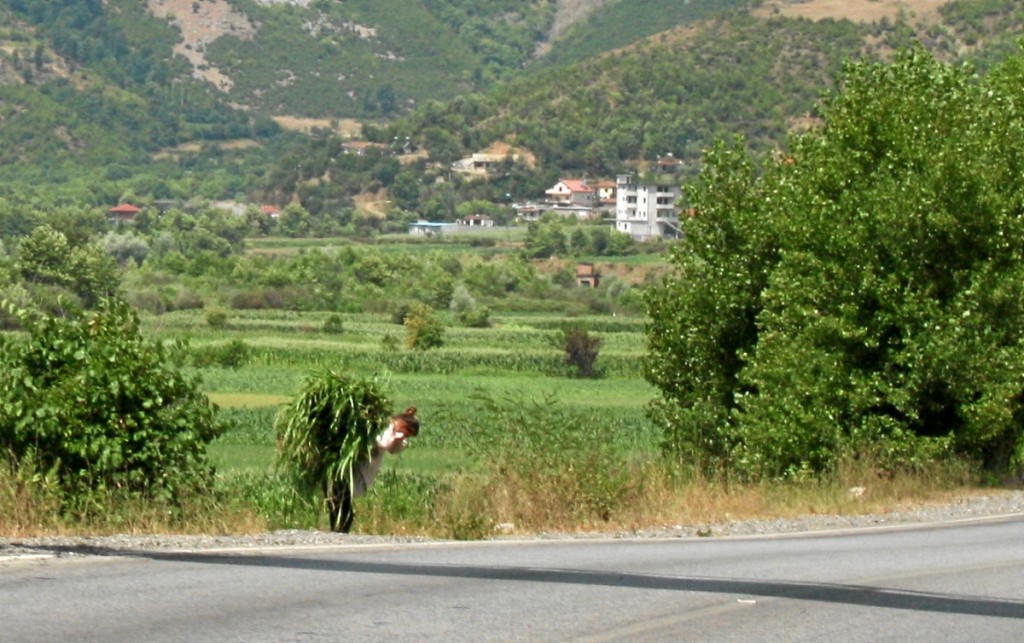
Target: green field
516	360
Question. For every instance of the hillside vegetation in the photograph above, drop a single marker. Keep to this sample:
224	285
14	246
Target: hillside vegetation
120	100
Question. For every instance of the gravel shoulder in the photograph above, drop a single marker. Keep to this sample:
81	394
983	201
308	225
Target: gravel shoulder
990	505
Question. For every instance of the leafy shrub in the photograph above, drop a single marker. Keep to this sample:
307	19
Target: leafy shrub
581	350
216	317
549	465
333	325
389	343
400	312
423	329
89	399
466	309
232	354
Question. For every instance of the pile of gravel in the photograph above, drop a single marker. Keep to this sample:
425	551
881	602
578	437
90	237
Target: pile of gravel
1008	503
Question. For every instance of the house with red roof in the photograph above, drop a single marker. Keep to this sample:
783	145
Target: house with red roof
124	212
571	192
271	211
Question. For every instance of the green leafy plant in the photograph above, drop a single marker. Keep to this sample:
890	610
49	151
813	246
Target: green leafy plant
549	464
325	431
334	325
423	329
581	350
216	317
102	409
231	354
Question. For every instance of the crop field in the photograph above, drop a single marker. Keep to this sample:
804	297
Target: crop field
516	360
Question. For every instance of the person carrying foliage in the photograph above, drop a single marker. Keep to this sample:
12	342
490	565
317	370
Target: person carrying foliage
331	441
391	440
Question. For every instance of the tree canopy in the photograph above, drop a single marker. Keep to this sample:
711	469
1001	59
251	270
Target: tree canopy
859	296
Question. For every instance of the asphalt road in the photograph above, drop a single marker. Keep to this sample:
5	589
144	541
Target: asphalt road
962	582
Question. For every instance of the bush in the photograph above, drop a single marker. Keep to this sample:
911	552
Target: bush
89	399
216	317
334	325
549	465
465	308
581	350
232	354
423	330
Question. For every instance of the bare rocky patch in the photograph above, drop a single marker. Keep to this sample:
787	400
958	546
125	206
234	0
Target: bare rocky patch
200	24
864	11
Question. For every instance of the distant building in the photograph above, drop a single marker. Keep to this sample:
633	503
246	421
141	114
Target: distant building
124	212
477	220
485	162
271	211
587	275
359	147
647	211
571	192
605	193
528	211
423	228
482	163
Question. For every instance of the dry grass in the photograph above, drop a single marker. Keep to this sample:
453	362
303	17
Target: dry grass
344	127
865	11
474	506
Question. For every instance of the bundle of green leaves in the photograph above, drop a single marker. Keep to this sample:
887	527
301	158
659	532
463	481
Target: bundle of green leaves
327	429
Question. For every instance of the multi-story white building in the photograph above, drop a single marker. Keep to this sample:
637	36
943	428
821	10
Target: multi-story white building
645	211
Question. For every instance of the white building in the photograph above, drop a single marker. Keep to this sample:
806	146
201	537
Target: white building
646	211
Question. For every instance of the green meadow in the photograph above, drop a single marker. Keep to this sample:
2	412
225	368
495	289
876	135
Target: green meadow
517	360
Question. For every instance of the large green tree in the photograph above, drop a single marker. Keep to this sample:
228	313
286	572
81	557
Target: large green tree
861	294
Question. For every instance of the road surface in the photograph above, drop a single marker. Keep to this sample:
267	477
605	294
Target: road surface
961	582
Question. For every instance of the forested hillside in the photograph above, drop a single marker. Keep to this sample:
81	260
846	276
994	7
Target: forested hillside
756	77
676	93
102	101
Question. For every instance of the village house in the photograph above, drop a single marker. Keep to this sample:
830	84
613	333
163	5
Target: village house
486	162
359	148
647	210
605	193
123	213
482	164
476	220
424	228
587	275
528	212
571	192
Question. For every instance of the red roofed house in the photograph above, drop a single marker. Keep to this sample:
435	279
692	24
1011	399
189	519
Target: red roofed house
271	211
124	212
572	192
